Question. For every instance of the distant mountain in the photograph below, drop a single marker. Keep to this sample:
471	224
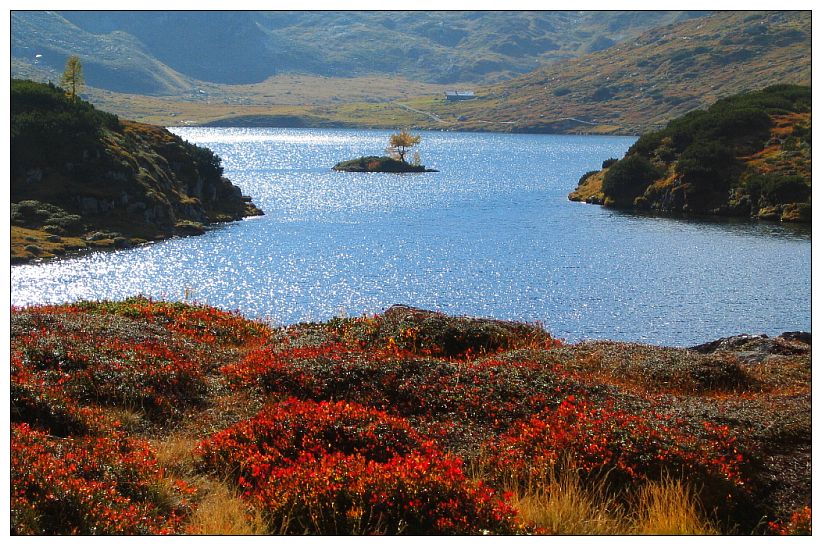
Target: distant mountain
643	82
157	52
41	41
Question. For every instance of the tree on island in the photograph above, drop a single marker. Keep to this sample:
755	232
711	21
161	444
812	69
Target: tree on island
400	143
72	79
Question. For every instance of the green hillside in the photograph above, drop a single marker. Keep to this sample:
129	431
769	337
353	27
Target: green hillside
747	155
83	178
635	86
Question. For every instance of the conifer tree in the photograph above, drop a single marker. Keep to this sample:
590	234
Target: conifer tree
72	79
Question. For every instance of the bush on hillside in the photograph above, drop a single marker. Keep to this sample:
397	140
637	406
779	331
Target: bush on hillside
47	128
708	166
629	177
777	189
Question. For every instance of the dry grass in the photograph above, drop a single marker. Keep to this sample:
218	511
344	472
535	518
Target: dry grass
222	512
175	454
219	510
670	507
562	504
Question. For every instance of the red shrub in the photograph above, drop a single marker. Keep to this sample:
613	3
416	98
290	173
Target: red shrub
88	486
341	468
798	524
600	438
197	322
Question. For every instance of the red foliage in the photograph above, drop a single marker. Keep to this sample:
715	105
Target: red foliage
798	524
600	438
88	485
196	322
76	368
341	468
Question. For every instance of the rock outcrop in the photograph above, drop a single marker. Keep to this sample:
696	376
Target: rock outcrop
97	174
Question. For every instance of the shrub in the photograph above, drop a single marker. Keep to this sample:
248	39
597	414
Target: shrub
89	486
599	437
778	189
708	166
608	162
629	177
340	468
799	524
47	128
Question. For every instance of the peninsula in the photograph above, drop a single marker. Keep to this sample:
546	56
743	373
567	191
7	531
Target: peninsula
83	179
748	155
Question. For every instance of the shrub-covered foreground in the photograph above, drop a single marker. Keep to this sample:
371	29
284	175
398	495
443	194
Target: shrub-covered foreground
131	417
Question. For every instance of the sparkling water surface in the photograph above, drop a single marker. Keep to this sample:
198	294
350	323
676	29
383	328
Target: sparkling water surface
492	234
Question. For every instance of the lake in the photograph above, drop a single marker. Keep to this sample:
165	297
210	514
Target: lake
492	234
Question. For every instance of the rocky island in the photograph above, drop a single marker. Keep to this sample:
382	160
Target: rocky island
399	145
82	179
748	156
379	164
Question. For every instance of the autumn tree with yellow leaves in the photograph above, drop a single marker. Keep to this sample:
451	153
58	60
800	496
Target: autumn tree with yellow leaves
400	143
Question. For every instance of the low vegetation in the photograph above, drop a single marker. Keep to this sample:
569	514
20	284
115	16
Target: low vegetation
149	417
82	178
399	145
747	155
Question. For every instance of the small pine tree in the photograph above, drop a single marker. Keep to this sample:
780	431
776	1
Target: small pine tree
72	79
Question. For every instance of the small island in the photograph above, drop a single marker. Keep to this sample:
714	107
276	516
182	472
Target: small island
398	146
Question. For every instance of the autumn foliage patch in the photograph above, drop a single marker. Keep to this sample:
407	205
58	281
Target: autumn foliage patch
408	422
338	467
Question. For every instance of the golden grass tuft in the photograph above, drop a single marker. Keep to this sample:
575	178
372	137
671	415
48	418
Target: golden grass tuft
222	512
561	503
670	507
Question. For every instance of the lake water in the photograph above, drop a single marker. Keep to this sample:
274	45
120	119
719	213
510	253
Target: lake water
491	234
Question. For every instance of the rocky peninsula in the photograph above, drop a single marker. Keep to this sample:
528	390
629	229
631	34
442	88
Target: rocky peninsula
747	156
84	179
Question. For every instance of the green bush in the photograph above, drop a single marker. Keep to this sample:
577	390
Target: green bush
629	177
777	189
608	162
47	128
709	166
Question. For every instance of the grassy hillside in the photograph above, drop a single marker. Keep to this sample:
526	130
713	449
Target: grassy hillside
116	61
144	417
161	52
642	83
747	155
83	178
635	86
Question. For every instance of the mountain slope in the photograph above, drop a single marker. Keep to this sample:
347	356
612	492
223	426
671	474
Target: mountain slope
115	61
642	83
248	47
